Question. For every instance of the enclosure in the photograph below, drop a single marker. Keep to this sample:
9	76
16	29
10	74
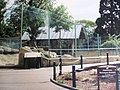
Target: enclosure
75	41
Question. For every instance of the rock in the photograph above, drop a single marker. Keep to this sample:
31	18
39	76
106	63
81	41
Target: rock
1	50
50	54
8	50
22	51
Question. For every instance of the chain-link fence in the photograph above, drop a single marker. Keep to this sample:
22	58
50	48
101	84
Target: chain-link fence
74	42
13	42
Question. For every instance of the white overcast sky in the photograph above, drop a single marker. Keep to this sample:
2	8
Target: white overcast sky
82	9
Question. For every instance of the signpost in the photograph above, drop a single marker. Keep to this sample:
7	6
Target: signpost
106	72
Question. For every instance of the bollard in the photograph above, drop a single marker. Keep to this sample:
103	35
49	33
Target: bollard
107	58
54	70
60	60
81	61
73	77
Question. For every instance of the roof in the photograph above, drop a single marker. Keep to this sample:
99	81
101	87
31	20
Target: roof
25	36
55	35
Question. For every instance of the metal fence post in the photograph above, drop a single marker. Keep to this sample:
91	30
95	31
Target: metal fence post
117	79
60	60
54	70
107	58
73	76
81	61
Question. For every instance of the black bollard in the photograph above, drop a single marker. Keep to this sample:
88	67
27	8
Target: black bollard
73	77
54	70
60	61
107	58
81	61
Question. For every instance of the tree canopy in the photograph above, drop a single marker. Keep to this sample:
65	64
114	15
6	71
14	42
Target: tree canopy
109	21
2	12
58	16
35	15
87	24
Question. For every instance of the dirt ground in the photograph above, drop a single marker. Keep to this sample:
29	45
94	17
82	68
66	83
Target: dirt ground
8	59
12	59
87	80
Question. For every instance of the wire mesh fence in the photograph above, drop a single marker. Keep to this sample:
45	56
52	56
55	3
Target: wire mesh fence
13	42
74	42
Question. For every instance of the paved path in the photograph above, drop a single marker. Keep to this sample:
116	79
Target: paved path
33	79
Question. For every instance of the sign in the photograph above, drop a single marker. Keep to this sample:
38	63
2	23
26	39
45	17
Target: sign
106	73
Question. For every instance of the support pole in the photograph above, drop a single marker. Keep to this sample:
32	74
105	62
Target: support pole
73	77
60	60
21	24
107	58
54	70
117	79
81	61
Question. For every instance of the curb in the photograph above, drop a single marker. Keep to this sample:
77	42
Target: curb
63	85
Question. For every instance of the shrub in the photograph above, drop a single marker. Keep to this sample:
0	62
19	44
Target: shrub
109	44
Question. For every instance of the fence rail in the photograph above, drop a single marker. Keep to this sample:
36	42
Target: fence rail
89	52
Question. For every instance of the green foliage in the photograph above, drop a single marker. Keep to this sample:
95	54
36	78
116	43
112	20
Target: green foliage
2	12
109	21
89	27
108	44
112	42
60	19
87	23
61	81
42	4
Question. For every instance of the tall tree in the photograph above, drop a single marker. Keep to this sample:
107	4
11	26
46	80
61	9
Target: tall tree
34	19
60	18
2	12
109	21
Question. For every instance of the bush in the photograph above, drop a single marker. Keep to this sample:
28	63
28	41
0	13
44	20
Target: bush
110	44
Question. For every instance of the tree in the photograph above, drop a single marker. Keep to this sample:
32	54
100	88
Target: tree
32	17
88	26
42	4
2	12
109	22
59	18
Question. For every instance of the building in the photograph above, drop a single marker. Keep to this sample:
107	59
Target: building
60	42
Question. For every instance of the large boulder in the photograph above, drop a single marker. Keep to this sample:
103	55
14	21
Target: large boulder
22	51
8	50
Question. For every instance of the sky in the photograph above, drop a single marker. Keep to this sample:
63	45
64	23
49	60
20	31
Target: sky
82	9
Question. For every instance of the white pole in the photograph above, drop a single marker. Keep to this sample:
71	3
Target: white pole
75	40
21	24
